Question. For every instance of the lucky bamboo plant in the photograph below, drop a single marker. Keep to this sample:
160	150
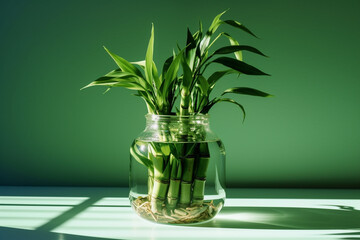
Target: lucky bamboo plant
177	172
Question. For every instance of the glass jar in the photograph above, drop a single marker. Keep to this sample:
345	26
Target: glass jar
177	170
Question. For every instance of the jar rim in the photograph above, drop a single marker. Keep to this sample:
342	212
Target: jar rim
198	116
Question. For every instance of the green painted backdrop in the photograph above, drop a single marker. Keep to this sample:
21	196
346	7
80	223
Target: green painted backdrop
53	134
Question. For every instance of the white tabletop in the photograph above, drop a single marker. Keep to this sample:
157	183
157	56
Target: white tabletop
56	213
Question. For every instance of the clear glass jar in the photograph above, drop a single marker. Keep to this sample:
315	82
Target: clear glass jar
177	170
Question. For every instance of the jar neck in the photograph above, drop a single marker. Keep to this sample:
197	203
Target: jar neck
200	120
178	128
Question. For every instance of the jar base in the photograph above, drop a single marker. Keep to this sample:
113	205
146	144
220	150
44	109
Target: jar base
192	214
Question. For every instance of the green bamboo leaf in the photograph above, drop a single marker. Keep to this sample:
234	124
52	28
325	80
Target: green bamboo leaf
129	85
149	59
124	65
167	64
238	25
93	84
139	157
235	48
187	149
190	41
212	43
177	110
204	85
213	27
217	100
219	74
140	63
191	49
198	52
127	80
172	71
105	81
130	76
204	100
239	66
154	148
108	89
197	38
246	91
155	74
204	44
119	74
233	42
236	103
146	95
216	23
187	76
179	170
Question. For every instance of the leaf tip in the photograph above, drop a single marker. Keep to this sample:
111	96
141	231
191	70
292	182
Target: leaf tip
108	89
107	50
265	74
224	11
89	85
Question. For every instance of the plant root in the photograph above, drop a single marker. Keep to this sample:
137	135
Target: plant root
181	215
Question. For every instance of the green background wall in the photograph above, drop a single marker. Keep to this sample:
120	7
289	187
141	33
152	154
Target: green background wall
53	134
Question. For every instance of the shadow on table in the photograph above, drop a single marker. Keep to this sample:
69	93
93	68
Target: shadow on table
342	218
22	234
333	217
351	235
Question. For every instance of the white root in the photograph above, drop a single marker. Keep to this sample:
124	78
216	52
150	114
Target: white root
190	214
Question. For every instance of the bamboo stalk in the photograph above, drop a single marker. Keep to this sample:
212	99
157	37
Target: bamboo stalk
187	175
161	178
187	159
184	103
150	175
150	183
184	111
200	173
174	187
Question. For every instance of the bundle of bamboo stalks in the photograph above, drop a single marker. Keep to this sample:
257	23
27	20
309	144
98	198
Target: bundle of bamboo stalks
177	172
